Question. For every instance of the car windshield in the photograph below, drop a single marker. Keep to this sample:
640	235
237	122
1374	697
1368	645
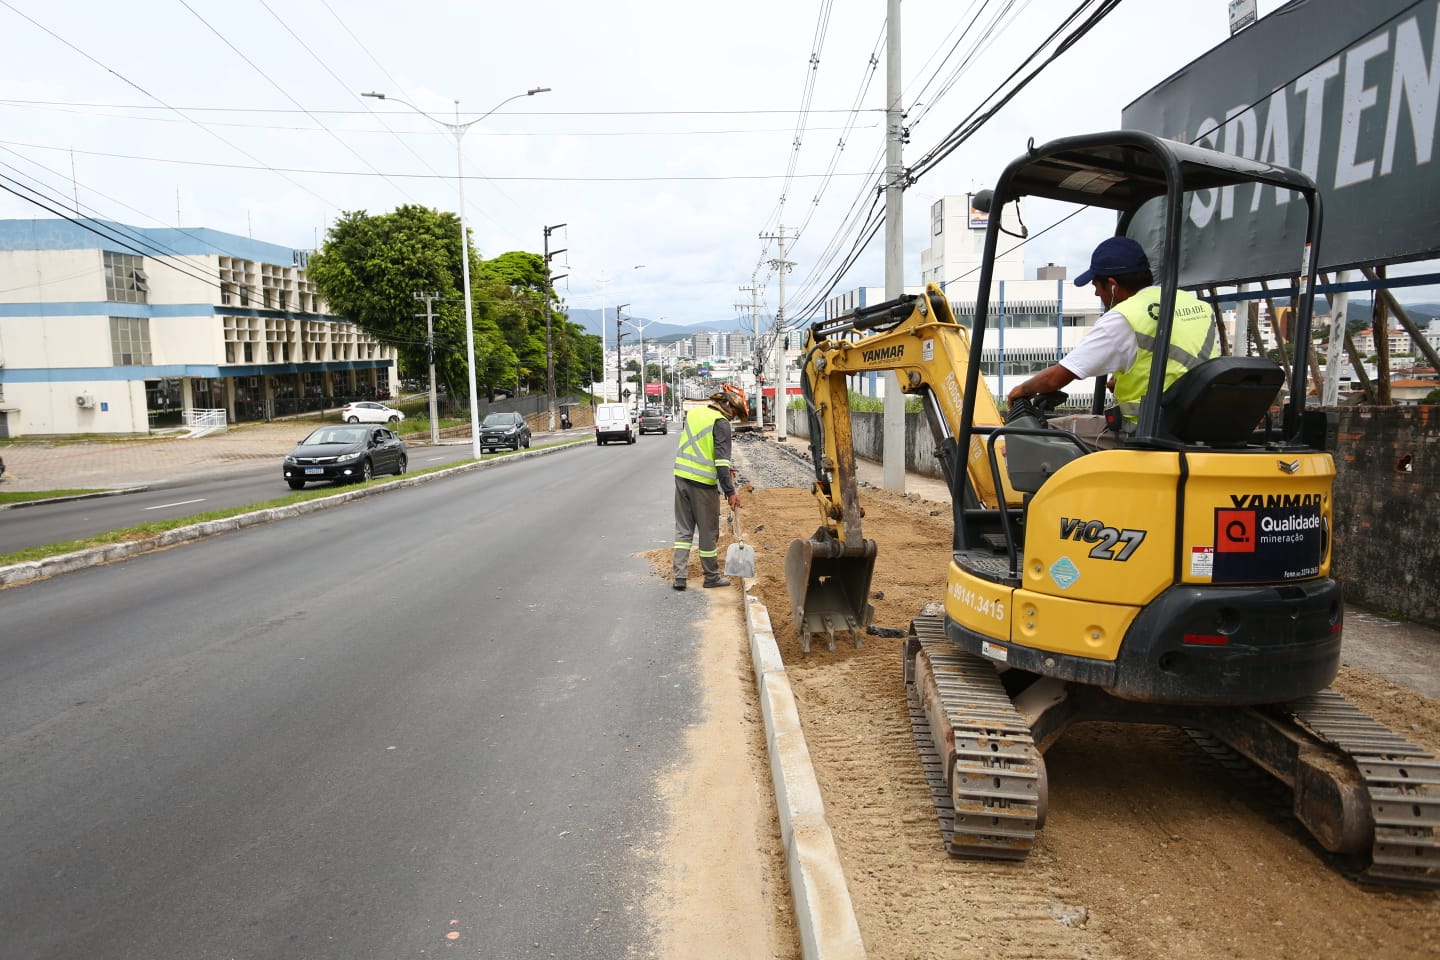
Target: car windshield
335	435
501	420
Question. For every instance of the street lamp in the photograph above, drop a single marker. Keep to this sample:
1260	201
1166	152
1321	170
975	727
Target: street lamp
640	327
603	335
458	129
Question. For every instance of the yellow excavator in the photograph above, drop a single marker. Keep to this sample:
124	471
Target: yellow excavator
1181	577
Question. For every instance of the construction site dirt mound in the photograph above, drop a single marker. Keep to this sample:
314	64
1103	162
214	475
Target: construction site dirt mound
1151	850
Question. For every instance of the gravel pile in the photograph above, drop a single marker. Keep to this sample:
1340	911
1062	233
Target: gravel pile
763	463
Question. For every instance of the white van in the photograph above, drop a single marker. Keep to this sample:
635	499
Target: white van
614	421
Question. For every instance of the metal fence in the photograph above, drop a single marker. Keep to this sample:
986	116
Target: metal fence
202	420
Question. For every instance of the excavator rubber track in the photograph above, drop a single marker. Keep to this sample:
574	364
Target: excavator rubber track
1403	783
986	776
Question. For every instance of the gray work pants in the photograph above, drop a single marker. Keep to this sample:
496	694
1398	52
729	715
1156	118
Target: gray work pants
697	511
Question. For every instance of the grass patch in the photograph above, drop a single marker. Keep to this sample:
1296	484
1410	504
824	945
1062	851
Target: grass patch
21	496
410	427
146	530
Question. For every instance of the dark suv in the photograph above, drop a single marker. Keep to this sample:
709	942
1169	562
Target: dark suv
653	420
499	430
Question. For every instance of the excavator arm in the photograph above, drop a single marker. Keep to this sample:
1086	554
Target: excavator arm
918	339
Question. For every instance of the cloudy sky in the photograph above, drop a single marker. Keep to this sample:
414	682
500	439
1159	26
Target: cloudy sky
674	135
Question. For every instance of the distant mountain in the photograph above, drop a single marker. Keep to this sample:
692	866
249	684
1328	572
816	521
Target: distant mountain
590	320
1357	310
1421	313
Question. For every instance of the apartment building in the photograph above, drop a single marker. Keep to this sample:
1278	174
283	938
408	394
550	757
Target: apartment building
113	329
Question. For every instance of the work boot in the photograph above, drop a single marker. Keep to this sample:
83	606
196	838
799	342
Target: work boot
717	582
679	583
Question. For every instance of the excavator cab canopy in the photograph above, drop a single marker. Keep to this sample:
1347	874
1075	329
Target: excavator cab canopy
1126	171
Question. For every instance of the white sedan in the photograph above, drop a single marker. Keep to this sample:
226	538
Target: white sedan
368	411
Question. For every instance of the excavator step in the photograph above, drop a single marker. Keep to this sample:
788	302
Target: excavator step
976	751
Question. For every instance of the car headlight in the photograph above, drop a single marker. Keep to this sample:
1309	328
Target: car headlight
289	458
347	457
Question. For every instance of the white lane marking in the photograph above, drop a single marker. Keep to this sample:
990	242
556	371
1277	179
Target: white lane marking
180	503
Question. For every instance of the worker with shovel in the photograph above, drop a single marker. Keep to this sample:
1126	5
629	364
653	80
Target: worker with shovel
702	470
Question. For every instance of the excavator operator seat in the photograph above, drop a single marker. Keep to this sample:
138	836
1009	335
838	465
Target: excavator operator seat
1221	401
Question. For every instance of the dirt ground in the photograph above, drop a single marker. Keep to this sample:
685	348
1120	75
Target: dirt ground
1150	850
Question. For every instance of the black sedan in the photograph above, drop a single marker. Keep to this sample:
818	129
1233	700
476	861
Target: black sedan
500	430
345	453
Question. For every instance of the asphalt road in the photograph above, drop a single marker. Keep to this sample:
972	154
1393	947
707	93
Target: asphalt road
433	711
60	521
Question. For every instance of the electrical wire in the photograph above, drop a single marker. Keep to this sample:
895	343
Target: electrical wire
281	89
131	83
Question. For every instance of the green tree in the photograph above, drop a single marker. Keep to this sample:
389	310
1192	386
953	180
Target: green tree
369	270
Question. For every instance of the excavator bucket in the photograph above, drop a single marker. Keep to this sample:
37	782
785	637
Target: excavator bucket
829	586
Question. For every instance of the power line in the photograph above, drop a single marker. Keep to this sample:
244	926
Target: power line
283	92
97	62
420	176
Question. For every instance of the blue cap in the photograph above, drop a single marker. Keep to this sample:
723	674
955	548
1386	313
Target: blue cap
1115	257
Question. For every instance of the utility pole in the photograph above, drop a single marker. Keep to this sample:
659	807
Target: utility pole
893	446
430	299
619	369
778	373
549	353
754	291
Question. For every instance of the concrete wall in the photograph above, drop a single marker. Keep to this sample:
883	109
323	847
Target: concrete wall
1387	510
1387	500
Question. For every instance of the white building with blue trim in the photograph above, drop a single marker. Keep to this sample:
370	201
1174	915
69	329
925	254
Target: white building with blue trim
112	329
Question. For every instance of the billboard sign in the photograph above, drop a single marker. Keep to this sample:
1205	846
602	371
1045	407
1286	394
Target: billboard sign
1347	92
1242	14
979	219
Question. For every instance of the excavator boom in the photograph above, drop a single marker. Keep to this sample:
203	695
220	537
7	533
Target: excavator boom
917	338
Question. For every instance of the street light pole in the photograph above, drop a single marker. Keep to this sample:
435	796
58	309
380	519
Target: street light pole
458	129
640	327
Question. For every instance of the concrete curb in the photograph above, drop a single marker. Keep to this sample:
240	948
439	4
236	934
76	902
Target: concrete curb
824	913
94	556
119	492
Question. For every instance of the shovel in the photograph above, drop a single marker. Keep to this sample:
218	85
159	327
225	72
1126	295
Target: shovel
740	557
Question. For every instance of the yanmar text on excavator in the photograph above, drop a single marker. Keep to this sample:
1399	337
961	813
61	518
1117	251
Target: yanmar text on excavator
1180	575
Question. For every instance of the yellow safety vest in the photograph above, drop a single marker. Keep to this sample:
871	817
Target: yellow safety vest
695	460
1192	340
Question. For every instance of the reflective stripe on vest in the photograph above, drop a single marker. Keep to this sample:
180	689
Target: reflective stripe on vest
1192	341
695	460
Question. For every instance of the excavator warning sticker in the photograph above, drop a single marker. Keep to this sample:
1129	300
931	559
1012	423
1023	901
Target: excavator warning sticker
1266	543
1202	561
